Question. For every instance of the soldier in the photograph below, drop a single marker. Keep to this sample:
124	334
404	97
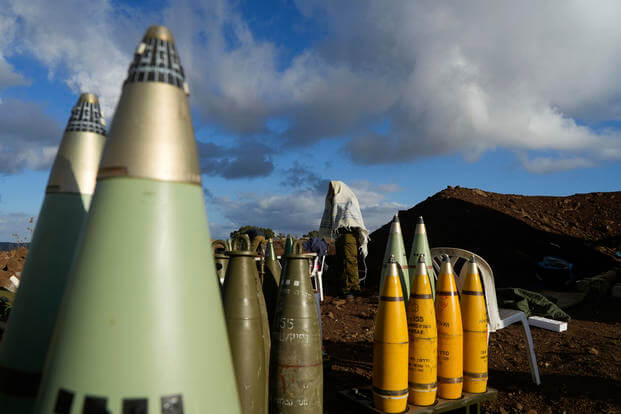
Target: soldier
342	220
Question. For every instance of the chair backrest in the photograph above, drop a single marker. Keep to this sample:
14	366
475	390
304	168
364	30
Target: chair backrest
458	258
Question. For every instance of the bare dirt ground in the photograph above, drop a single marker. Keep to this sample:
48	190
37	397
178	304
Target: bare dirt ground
580	368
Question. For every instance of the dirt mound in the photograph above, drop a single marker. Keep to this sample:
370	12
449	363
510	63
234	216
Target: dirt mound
513	232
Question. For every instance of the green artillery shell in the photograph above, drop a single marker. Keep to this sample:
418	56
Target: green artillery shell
271	280
53	246
247	328
296	375
141	327
395	247
420	245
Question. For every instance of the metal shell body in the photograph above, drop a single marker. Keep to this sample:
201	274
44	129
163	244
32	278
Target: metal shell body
296	375
475	331
420	245
396	248
450	335
142	323
271	280
52	249
247	329
423	336
390	347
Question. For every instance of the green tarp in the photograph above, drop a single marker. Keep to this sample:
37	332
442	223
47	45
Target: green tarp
531	303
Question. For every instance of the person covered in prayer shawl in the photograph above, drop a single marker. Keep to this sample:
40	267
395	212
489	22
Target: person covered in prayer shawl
342	221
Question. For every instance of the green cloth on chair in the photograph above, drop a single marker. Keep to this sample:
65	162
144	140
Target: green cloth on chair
531	303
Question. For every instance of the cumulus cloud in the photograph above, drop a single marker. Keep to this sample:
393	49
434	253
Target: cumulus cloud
300	176
8	76
449	77
89	48
300	211
446	76
248	160
28	137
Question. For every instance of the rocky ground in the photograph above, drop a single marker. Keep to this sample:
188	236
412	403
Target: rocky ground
580	368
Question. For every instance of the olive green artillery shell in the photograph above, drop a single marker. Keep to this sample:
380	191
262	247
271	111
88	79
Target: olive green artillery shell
395	247
296	372
247	329
420	245
142	322
29	333
271	281
54	243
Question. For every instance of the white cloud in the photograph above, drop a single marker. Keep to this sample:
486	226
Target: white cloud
448	76
28	137
298	212
89	48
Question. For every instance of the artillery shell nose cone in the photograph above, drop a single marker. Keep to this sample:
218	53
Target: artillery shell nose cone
396	218
420	220
472	260
421	258
88	97
159	32
152	135
86	115
75	167
445	258
392	259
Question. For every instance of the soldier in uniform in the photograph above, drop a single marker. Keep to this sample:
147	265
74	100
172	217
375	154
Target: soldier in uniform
342	221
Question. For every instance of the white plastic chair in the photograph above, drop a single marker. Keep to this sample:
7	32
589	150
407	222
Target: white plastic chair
498	318
317	273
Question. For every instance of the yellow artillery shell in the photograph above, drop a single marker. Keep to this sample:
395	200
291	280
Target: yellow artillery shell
475	331
422	367
390	348
450	335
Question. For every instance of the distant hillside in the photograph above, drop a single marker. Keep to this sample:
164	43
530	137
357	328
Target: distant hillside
6	246
513	232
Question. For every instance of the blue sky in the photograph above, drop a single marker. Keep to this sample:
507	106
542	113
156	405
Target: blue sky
397	99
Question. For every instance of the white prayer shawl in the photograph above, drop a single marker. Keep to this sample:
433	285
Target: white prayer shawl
343	211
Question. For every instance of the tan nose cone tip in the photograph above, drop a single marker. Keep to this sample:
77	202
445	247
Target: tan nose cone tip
89	97
152	136
75	167
159	32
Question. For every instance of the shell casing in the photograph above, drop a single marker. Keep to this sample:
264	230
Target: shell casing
390	347
450	335
54	243
246	323
420	245
475	331
423	356
296	363
396	248
271	280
